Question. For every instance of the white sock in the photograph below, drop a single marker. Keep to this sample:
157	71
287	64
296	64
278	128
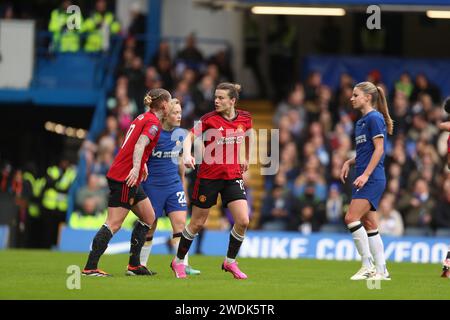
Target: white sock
377	250
145	252
361	242
175	243
229	260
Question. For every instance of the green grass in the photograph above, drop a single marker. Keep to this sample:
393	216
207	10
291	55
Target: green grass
36	274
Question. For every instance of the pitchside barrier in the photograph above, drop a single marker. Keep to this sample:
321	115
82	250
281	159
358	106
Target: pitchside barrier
285	245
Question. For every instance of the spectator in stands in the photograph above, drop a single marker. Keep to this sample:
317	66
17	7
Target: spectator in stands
162	52
137	27
276	211
136	82
190	56
91	199
404	85
334	205
294	102
99	26
152	78
401	113
417	207
223	62
441	215
390	221
203	96
64	39
184	95
165	71
111	130
312	86
423	85
310	187
7	11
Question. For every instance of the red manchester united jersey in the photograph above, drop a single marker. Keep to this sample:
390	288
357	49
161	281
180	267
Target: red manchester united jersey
145	124
448	144
222	139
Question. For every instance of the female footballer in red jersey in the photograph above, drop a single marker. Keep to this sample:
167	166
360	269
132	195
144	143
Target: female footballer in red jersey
223	131
446	127
124	177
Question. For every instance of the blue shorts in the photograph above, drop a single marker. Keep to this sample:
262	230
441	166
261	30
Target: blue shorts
166	200
372	191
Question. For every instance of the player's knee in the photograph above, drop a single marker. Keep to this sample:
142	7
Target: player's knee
369	225
114	227
349	218
196	226
178	227
242	222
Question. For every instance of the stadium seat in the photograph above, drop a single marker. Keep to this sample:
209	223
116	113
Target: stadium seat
417	232
332	228
443	232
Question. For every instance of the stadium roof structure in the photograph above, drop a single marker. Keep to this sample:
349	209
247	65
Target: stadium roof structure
356	5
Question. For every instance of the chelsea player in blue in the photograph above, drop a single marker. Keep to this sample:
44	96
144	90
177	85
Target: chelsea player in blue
165	182
370	135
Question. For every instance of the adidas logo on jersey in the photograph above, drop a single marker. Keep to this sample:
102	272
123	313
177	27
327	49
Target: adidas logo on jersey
221	128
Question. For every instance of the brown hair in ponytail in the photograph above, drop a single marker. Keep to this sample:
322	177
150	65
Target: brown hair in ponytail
379	101
383	108
232	88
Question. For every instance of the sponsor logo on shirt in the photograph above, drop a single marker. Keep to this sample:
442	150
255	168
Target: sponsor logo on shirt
165	154
230	140
361	139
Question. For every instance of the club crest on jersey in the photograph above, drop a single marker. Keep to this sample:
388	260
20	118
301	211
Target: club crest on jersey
240	128
153	130
202	198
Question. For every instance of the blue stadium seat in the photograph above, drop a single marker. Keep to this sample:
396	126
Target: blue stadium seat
443	232
78	70
417	232
333	228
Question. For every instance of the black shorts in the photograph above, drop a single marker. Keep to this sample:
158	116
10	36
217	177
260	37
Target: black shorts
206	191
120	195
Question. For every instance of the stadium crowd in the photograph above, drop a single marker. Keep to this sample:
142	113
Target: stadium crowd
316	126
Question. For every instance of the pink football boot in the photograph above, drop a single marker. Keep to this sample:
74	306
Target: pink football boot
179	269
234	269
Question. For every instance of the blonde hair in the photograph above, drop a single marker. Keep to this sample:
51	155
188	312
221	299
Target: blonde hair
153	99
173	102
379	101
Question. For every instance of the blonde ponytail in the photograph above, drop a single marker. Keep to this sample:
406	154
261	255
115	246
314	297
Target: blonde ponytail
383	108
147	101
154	97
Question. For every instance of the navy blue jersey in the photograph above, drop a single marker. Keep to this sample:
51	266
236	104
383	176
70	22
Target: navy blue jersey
163	162
367	128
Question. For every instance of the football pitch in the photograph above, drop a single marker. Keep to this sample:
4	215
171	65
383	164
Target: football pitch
42	275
